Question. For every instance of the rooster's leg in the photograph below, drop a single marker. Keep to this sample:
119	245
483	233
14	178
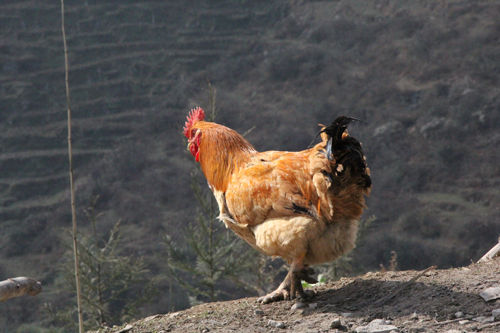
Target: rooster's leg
304	273
283	291
291	286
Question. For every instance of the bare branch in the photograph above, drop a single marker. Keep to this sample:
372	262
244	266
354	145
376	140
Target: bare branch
71	181
495	250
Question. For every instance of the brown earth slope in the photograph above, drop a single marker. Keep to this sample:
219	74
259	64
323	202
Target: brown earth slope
437	301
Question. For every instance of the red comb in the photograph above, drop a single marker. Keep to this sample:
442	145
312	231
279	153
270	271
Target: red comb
195	115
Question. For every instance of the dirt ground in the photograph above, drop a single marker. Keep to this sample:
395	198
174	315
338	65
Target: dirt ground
436	301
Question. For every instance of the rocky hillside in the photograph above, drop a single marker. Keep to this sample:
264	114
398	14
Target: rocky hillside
407	301
423	77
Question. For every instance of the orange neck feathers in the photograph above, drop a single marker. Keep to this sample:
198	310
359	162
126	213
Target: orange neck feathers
222	151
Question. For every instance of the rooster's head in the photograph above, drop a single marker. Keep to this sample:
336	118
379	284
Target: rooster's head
193	134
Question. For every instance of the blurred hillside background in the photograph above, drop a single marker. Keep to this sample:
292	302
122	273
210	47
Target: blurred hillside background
424	77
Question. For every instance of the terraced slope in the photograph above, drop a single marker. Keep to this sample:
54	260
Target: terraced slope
126	60
130	62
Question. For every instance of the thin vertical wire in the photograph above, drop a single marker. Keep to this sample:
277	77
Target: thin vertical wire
71	183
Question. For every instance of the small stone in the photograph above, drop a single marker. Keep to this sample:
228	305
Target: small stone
298	305
453	331
376	326
414	316
175	314
205	330
277	324
484	319
313	305
259	312
463	322
490	294
126	329
347	314
459	314
336	323
416	330
496	314
152	317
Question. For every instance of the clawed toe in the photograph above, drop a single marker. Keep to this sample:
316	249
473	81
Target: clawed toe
291	287
277	295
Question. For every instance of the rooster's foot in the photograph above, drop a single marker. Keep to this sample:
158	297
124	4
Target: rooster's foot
296	289
291	287
279	294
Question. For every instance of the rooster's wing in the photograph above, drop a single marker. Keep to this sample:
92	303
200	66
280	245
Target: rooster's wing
275	184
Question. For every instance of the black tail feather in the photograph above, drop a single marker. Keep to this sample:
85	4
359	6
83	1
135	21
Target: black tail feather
346	152
335	131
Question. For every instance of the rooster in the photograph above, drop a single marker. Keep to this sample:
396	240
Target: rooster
302	206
